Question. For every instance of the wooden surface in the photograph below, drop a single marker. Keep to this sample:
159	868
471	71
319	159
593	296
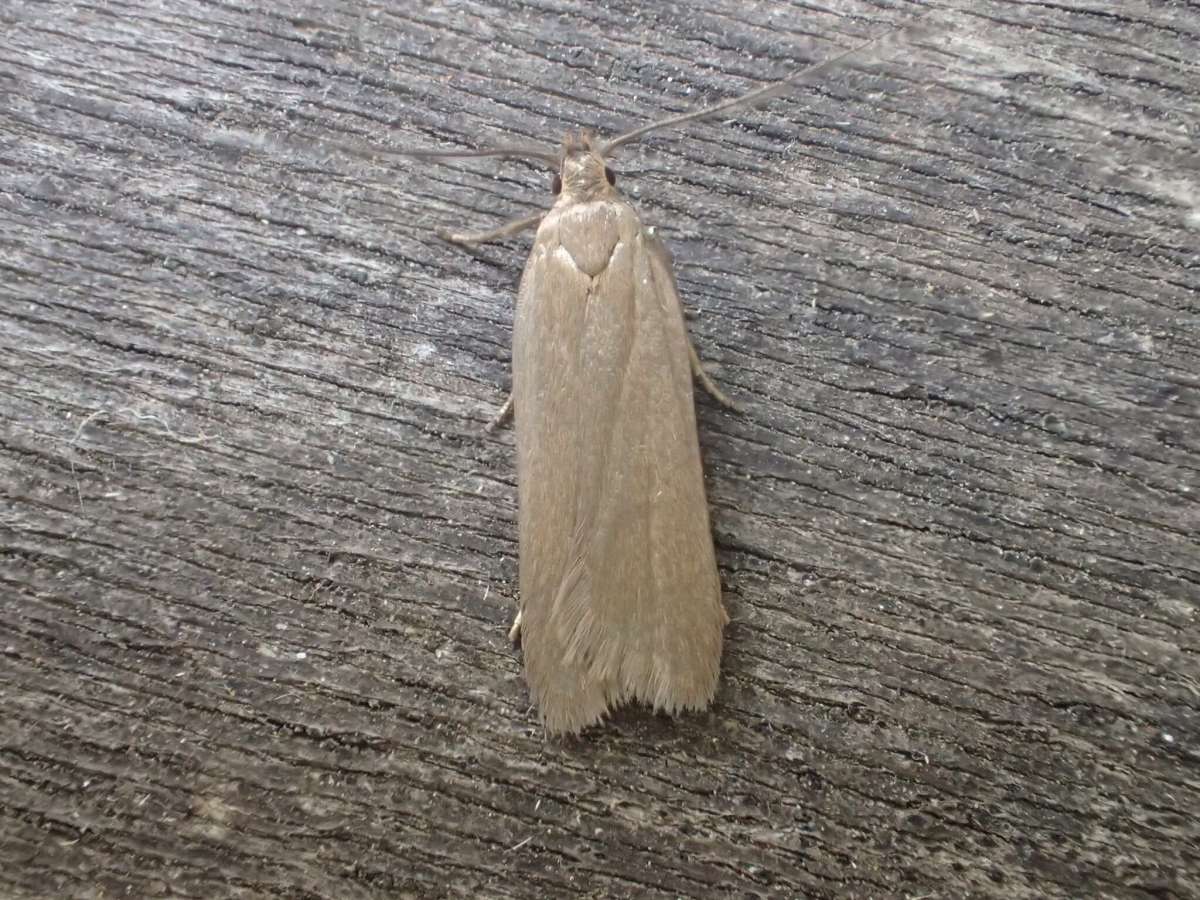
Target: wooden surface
257	554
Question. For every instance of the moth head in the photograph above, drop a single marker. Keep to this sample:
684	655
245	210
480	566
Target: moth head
582	171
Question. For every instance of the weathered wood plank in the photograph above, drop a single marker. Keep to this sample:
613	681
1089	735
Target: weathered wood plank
257	553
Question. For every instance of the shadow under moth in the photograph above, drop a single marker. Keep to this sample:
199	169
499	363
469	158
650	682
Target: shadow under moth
620	597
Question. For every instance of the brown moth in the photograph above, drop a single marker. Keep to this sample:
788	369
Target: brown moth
620	598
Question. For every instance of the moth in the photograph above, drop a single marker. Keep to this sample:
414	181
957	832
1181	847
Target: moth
620	597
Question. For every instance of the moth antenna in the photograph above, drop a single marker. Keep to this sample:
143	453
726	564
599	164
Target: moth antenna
873	49
375	154
535	153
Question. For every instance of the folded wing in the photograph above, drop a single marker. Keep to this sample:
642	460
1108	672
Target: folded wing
620	595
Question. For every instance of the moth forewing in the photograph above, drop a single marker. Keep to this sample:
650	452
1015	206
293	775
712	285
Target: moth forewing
620	596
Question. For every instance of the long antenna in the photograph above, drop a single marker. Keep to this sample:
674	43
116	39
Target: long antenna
864	52
537	153
374	154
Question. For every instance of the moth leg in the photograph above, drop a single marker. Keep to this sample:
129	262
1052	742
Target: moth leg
707	383
481	237
501	417
514	633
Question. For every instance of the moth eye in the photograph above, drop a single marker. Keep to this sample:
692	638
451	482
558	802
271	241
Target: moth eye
610	175
556	185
